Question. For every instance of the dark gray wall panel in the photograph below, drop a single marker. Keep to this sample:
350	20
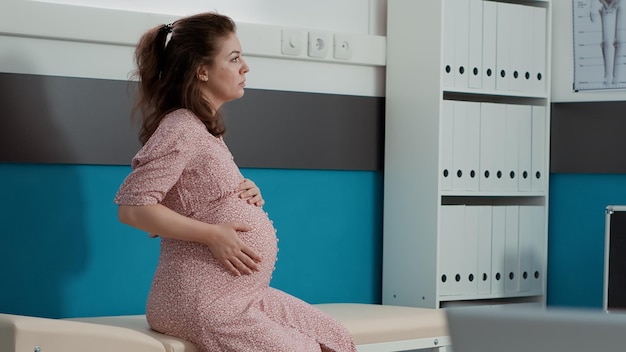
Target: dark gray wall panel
588	137
45	119
306	130
48	119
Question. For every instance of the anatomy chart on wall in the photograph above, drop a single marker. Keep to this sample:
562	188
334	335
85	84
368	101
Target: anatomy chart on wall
599	44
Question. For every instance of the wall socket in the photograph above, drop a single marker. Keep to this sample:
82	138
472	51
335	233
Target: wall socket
342	47
319	43
293	40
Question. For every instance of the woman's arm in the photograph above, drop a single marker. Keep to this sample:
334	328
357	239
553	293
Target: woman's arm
222	239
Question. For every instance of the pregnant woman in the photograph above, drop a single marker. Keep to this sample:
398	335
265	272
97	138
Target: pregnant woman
218	246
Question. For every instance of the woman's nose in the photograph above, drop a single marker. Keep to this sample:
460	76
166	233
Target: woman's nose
245	68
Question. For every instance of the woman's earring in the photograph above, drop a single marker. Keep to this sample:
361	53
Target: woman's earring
204	78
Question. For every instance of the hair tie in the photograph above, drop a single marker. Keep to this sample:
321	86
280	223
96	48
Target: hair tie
167	28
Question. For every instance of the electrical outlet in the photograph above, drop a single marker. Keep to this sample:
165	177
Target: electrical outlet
343	47
292	41
318	44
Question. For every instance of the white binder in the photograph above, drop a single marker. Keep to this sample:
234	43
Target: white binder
537	182
503	46
484	273
498	232
446	250
448	42
531	242
466	146
511	251
468	261
489	44
473	146
451	249
492	146
527	44
539	244
516	28
511	173
446	171
475	64
461	44
459	145
526	248
524	125
539	51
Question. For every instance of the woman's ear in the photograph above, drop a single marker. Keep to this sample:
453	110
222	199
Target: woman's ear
203	73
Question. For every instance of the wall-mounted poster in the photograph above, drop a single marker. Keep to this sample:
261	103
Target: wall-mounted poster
599	44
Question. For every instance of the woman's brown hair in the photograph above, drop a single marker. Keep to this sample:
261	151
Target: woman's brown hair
167	70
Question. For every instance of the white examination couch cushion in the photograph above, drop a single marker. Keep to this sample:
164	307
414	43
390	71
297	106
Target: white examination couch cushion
375	323
26	333
140	324
368	324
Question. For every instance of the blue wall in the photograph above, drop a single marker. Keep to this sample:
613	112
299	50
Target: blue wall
63	252
576	236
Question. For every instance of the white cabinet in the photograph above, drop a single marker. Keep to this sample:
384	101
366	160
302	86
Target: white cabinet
466	152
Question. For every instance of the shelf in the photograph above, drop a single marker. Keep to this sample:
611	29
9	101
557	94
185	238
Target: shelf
491	194
496	199
491	96
441	227
479	297
492	301
451	93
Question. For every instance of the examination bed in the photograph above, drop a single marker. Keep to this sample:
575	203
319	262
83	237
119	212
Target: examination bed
375	328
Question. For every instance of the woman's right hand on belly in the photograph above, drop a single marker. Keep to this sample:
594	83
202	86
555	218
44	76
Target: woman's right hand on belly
231	251
222	239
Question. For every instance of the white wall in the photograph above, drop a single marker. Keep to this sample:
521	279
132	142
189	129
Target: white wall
563	60
338	15
79	41
27	29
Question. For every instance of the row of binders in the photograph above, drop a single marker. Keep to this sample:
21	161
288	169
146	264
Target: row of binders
491	251
494	46
492	147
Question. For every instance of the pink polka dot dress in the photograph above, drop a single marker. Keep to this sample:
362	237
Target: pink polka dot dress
185	168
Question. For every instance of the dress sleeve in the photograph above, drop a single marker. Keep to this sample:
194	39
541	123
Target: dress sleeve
160	162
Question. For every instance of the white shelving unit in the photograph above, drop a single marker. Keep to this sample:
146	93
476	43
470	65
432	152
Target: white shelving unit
466	152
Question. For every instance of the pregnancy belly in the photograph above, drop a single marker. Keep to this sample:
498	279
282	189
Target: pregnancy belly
189	269
261	236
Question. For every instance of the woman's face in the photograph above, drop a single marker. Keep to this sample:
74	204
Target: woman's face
226	78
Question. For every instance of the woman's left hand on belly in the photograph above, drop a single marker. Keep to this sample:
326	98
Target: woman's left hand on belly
249	192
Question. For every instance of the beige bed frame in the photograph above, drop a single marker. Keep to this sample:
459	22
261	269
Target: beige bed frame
375	328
